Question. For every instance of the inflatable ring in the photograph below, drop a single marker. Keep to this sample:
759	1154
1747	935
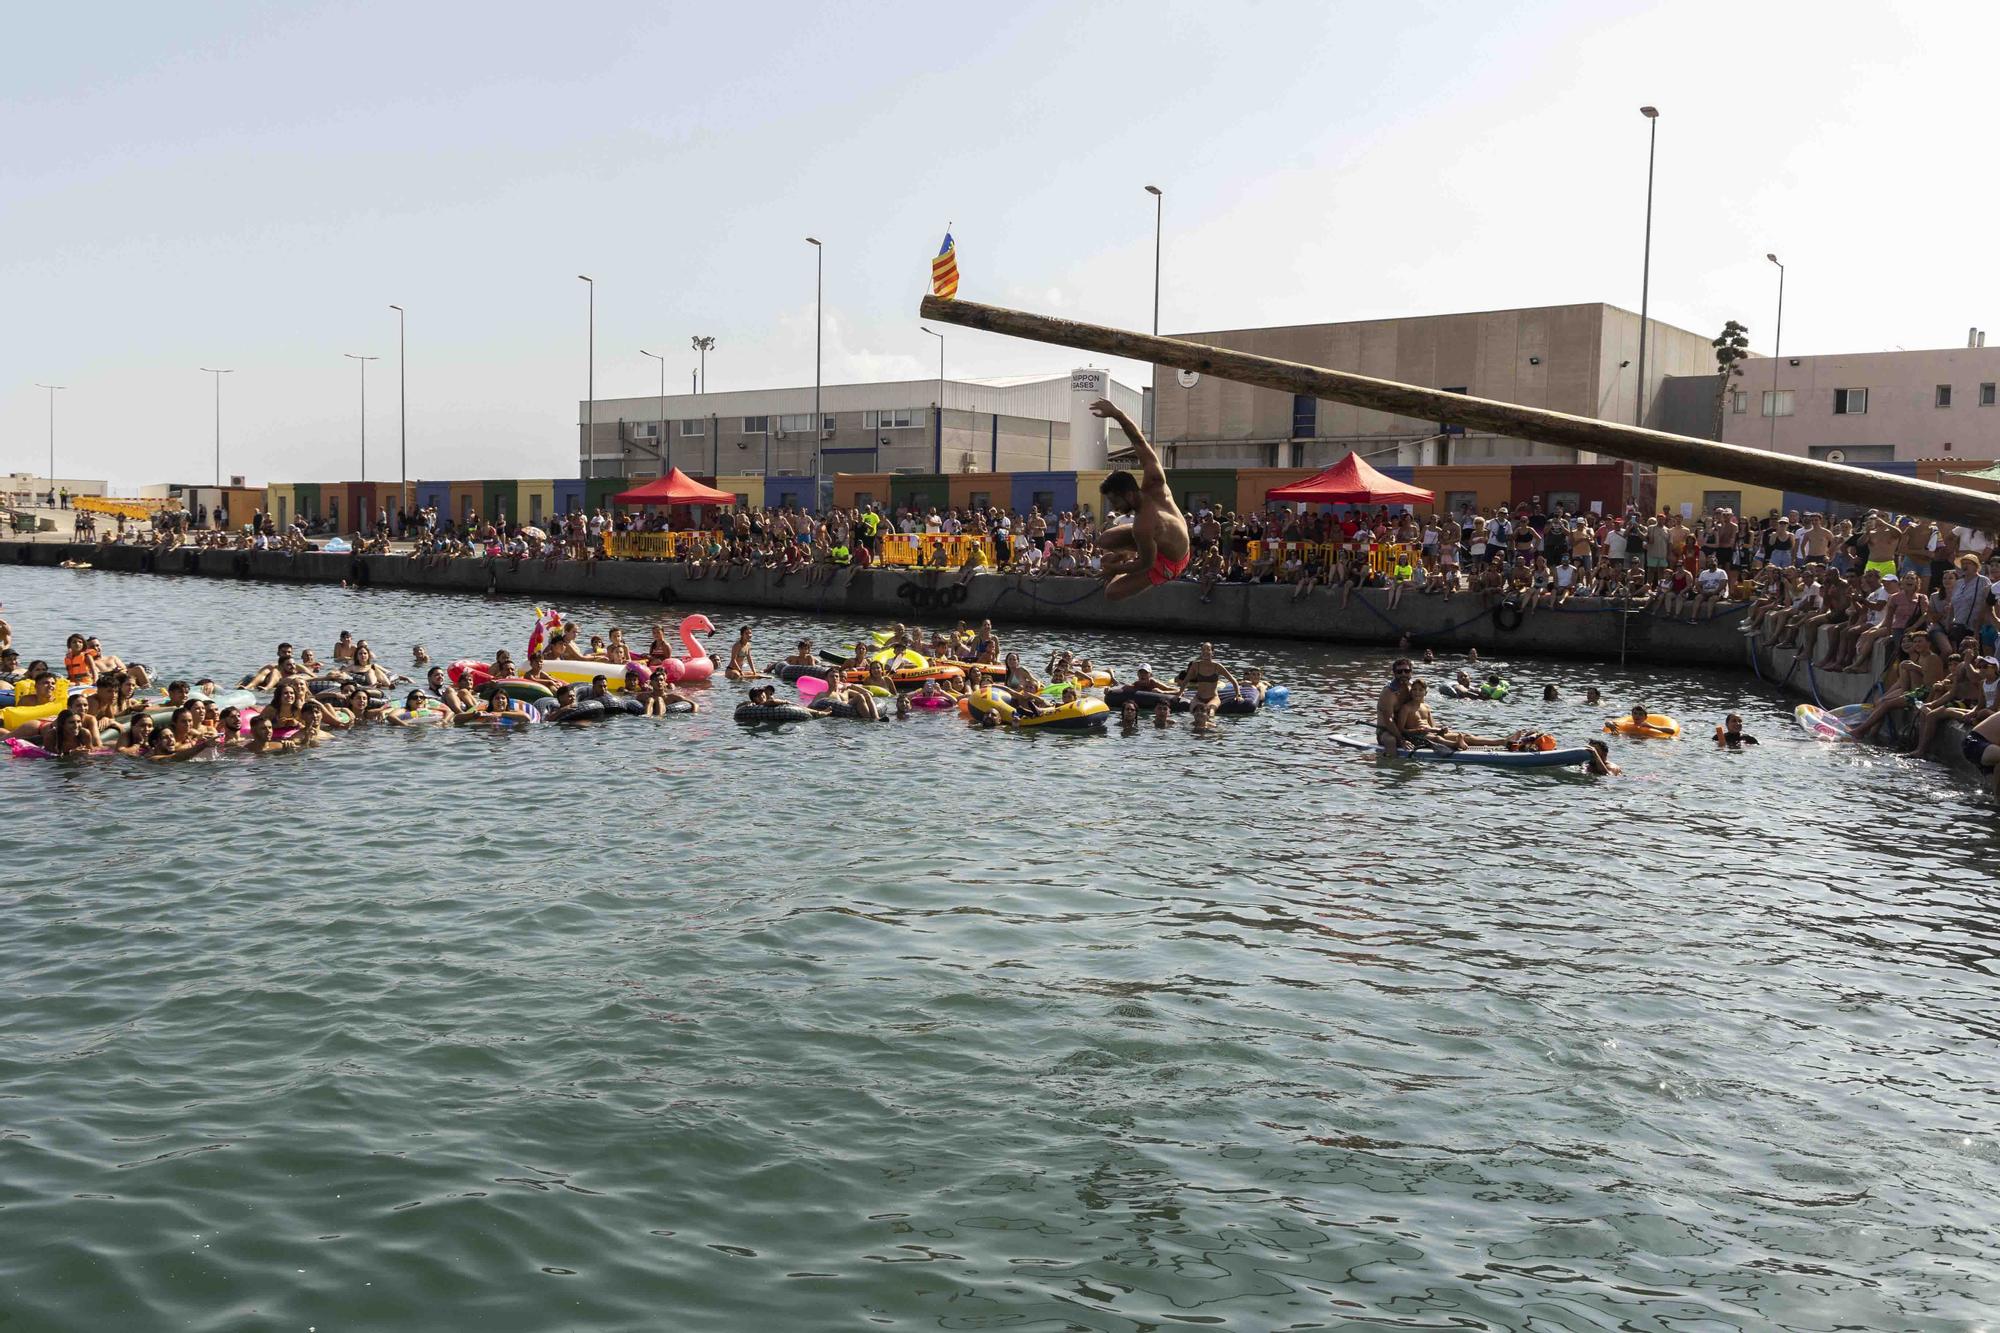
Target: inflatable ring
776	712
1147	700
1238	703
791	671
1658	725
1506	617
583	710
527	691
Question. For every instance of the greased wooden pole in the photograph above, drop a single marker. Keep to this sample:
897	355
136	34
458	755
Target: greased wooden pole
1756	467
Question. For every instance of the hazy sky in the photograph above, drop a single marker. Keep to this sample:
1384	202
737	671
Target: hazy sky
251	185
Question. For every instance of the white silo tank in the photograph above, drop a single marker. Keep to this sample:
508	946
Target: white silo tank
1087	432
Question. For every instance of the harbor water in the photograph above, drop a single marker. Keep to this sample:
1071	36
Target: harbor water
671	1024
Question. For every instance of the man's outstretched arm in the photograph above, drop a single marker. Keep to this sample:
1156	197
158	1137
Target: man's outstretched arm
1149	459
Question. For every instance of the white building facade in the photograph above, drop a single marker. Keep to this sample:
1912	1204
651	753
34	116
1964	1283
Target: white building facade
1018	423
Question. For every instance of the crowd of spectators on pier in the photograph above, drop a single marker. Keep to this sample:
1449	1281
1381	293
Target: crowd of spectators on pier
1800	571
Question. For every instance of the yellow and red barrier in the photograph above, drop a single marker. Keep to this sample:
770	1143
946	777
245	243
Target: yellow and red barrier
656	545
934	548
1382	556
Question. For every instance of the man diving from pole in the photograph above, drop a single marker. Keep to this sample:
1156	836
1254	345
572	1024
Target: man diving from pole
1153	548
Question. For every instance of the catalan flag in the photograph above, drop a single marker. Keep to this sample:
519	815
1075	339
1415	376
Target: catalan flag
944	270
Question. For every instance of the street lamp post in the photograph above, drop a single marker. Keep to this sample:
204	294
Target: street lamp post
590	393
52	436
1159	212
364	360
819	323
1652	115
1777	346
937	463
661	442
701	344
402	421
218	420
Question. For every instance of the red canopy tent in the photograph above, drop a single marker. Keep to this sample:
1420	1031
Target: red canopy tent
676	488
1351	482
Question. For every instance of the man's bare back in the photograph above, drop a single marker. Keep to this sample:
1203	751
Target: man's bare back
1154	548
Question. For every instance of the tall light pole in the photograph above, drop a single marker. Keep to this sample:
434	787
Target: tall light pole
590	398
52	435
364	360
1652	115
402	418
661	443
819	323
938	461
1159	215
701	344
218	420
1777	346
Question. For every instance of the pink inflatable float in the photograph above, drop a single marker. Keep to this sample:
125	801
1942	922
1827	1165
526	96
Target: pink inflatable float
696	666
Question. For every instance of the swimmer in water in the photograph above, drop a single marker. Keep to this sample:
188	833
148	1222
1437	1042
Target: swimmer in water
1416	725
1640	726
1205	676
1591	695
413	705
1154	548
1550	694
1599	764
742	666
1731	736
1389	703
267	677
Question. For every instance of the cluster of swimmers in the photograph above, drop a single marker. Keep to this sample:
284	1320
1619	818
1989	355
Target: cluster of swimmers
1404	720
101	705
968	670
96	707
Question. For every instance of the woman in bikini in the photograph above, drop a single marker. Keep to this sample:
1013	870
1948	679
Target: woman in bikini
742	666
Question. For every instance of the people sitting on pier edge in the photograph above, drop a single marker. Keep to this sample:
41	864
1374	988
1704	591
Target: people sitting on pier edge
1524	557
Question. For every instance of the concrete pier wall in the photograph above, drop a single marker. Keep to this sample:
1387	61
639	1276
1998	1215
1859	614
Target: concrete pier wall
1592	629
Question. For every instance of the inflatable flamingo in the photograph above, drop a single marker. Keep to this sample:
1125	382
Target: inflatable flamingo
697	665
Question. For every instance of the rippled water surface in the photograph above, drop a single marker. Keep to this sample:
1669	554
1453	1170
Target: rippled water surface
674	1025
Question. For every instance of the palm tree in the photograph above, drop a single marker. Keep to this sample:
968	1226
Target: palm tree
1732	348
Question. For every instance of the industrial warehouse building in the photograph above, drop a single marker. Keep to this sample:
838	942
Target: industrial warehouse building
1580	359
927	425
